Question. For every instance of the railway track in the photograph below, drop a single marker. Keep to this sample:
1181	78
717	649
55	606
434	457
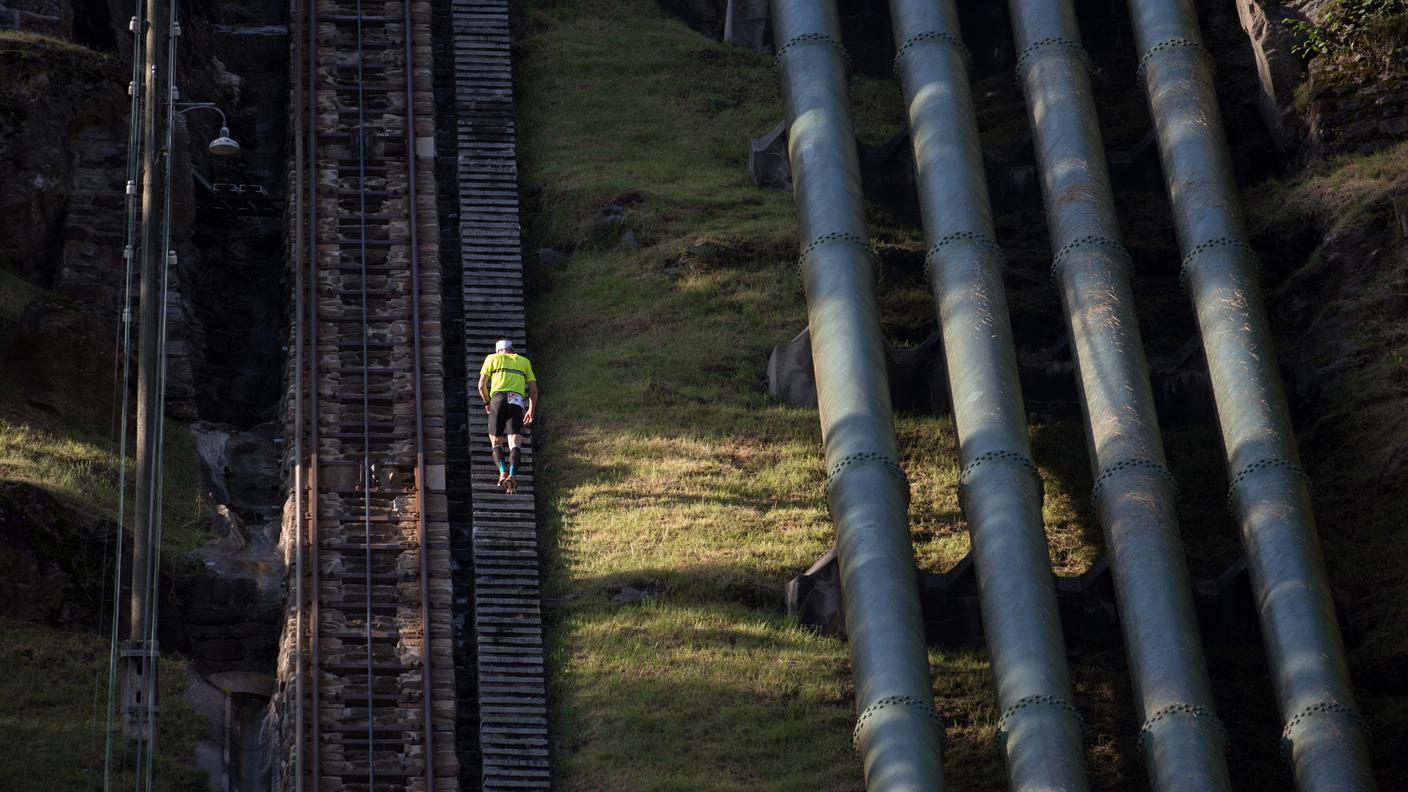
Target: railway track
372	665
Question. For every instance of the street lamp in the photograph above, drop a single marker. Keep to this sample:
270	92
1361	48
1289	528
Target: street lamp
223	145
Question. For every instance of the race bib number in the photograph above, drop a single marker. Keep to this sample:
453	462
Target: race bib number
515	399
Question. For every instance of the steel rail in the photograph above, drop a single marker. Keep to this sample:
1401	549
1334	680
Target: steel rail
1000	488
366	390
1181	738
1324	736
898	733
315	557
421	487
298	384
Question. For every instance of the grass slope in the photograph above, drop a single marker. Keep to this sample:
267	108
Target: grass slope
52	721
666	468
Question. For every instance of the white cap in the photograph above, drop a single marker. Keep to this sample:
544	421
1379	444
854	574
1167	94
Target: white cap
503	344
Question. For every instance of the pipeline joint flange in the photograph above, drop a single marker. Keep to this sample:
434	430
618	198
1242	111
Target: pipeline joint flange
1212	244
811	38
1177	42
1021	460
1269	463
1197	712
851	461
840	236
941	36
1039	700
1055	41
1092	240
1127	464
1315	710
923	707
975	237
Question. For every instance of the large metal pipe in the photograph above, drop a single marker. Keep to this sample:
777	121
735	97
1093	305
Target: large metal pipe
1324	735
1000	487
1135	496
898	733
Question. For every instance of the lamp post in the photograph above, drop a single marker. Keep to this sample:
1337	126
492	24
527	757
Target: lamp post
159	89
223	145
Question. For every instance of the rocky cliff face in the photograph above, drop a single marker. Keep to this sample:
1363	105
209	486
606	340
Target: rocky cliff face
64	112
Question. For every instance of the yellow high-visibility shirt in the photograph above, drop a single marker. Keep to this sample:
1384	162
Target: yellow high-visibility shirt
507	372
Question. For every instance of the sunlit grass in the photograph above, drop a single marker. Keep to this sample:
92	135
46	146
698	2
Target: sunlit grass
80	466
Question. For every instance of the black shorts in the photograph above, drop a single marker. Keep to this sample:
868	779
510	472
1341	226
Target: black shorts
504	418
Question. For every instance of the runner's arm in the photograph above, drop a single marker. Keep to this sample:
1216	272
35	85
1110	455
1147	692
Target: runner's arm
484	391
532	402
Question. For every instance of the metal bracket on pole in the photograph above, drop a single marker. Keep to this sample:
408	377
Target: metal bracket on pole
139	714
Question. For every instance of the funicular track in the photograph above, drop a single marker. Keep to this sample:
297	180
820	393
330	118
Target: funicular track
373	703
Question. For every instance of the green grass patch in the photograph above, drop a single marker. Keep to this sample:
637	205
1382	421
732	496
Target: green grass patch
37	66
78	462
30	44
52	725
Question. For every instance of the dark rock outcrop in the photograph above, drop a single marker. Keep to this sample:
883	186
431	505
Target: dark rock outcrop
51	557
1278	69
63	355
705	16
748	23
767	160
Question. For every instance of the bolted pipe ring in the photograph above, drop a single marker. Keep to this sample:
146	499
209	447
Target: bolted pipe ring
1212	244
1125	464
811	38
1314	710
1039	700
1170	44
1072	47
840	236
860	458
933	35
896	701
979	239
1195	711
1058	260
1022	461
1268	463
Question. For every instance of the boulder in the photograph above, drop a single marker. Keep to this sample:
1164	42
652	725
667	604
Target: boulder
50	554
767	160
702	15
790	375
747	24
552	258
609	226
